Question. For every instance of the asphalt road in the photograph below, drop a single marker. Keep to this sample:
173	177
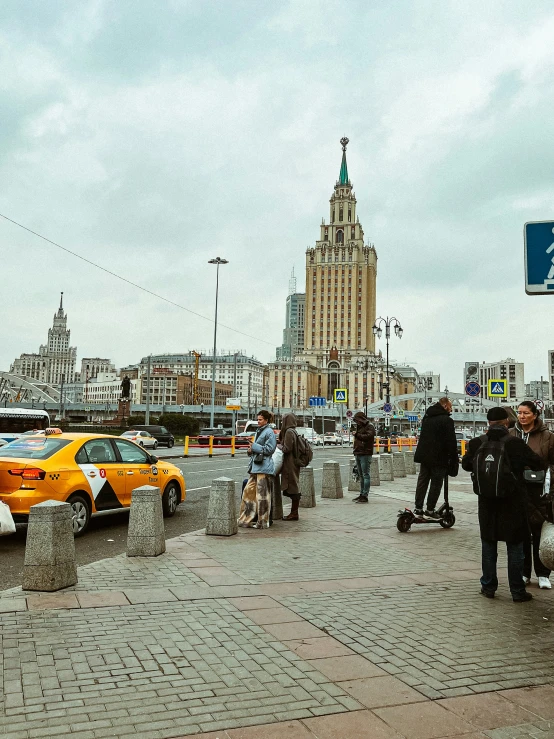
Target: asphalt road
107	535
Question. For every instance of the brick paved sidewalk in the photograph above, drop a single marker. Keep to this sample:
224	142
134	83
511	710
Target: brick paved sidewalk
335	626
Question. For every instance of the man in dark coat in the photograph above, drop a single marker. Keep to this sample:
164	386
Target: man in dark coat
504	518
437	453
364	439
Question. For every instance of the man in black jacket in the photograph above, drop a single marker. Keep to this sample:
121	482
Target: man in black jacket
437	453
504	518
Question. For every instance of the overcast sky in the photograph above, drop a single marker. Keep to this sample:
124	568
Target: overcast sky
150	136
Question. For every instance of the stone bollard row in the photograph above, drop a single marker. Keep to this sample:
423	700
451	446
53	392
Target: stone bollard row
146	533
222	508
331	486
398	464
410	464
50	549
307	487
385	468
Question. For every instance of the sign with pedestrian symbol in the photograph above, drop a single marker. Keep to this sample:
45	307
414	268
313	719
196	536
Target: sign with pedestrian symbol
498	388
538	237
340	395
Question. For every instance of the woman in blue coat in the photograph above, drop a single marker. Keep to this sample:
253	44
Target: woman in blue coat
255	506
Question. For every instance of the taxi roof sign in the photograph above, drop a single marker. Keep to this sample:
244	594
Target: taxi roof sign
498	388
340	395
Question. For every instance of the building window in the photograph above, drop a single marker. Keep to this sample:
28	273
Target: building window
340	236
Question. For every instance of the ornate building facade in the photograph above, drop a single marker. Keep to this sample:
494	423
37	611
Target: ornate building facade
54	360
340	311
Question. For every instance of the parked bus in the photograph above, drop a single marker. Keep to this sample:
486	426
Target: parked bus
16	421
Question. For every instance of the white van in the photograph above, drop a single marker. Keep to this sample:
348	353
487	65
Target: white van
310	435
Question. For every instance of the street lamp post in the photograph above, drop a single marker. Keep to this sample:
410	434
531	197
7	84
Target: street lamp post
364	364
378	331
217	261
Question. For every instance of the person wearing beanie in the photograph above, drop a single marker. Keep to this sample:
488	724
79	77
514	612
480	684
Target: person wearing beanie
437	454
502	517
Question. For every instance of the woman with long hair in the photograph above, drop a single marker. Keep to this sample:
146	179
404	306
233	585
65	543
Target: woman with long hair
255	507
532	429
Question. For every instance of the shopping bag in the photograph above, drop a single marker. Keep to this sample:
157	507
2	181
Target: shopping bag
546	547
277	458
7	525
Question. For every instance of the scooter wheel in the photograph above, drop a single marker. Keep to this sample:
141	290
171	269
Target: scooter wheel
448	521
404	523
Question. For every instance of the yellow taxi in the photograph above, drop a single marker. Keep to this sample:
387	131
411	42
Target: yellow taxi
94	473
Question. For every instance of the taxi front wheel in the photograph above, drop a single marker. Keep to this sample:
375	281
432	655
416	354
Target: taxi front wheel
170	499
80	514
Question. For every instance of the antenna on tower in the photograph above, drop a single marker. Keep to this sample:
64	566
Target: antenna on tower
292	283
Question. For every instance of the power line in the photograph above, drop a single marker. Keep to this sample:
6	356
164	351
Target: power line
129	282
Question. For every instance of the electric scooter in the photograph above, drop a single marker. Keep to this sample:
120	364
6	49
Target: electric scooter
446	519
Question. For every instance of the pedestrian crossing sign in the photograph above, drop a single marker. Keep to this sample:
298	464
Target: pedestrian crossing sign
498	388
340	395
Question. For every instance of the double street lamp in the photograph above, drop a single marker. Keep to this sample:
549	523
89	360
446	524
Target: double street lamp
217	261
378	331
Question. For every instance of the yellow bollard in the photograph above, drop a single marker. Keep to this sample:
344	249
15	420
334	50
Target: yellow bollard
399	444
388	444
211	447
232	446
411	443
186	446
377	445
463	445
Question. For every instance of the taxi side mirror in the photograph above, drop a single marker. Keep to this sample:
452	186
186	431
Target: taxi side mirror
153	459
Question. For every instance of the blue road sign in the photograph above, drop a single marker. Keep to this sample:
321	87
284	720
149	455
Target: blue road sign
315	400
473	389
387	407
539	257
411	417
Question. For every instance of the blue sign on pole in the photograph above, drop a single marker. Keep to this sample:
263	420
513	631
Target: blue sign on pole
473	389
411	417
387	407
315	400
539	257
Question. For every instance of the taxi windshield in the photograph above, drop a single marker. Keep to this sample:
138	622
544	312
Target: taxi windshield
33	447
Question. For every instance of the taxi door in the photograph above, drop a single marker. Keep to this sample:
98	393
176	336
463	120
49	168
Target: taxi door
137	467
103	472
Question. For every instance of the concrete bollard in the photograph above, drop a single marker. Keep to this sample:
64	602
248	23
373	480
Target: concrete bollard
331	484
307	487
417	468
353	483
222	508
398	464
374	472
546	548
386	468
410	464
146	534
50	550
276	500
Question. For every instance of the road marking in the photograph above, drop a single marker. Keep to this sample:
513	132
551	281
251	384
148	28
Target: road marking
191	490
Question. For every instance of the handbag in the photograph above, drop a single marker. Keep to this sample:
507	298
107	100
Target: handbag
277	458
7	526
534	476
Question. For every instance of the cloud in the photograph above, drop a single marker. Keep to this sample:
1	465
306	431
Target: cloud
151	140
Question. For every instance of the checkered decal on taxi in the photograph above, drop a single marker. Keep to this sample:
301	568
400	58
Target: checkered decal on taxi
54	475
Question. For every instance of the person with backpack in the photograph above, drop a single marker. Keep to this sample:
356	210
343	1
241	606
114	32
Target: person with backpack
364	439
497	461
297	453
437	454
539	488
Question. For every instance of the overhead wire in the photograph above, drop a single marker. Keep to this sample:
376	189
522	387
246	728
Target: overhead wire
130	282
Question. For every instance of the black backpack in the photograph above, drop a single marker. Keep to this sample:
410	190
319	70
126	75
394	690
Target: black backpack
304	453
492	472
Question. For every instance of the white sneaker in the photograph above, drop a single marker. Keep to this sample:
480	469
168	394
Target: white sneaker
526	580
544	583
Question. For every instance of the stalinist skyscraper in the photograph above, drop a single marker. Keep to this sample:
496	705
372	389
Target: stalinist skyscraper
341	274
